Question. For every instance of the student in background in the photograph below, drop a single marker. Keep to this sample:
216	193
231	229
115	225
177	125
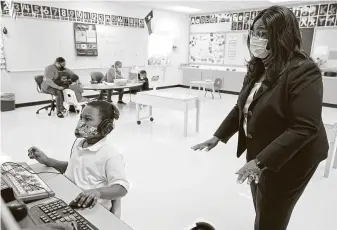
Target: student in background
95	165
142	76
52	74
114	73
77	87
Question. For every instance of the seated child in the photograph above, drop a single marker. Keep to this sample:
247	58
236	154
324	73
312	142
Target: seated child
94	165
77	87
142	76
63	80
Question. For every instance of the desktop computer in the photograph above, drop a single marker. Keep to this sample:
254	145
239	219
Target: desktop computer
26	186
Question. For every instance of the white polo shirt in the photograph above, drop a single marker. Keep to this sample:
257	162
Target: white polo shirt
97	166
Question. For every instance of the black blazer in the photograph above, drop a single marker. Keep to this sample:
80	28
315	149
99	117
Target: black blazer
284	122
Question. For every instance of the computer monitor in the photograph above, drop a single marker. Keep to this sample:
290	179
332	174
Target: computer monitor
133	76
7	220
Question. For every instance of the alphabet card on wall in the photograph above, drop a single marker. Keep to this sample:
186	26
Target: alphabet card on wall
54	13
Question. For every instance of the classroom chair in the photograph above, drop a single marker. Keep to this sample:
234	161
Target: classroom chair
331	131
155	80
70	99
216	86
52	105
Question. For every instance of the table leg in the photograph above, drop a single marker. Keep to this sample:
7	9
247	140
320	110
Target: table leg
197	116
185	120
150	111
108	97
137	111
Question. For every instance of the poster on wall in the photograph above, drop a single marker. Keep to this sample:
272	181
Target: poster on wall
85	39
207	48
55	13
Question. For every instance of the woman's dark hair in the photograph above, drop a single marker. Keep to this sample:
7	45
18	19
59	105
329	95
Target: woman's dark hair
106	110
284	43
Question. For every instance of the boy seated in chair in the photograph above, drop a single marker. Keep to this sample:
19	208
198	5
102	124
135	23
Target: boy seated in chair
94	165
77	87
142	76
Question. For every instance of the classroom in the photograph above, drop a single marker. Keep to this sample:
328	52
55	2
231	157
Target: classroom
184	115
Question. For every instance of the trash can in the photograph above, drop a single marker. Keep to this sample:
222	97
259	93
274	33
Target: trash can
7	102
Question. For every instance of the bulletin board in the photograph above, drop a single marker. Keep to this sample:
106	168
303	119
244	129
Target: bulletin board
236	51
207	48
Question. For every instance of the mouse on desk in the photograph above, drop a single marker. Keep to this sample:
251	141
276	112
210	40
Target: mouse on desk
19	211
74	204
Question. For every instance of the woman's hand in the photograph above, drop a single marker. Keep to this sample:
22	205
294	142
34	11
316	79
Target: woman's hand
207	145
86	197
250	171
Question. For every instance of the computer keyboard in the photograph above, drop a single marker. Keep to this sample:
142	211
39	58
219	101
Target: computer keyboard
26	186
57	211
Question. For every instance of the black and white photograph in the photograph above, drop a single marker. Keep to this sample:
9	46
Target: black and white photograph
168	115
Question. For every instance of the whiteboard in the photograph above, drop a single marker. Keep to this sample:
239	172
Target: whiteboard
236	51
33	44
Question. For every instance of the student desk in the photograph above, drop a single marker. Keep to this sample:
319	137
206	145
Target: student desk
174	101
64	189
111	86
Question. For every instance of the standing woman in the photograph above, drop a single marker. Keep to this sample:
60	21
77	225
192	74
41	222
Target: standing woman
278	117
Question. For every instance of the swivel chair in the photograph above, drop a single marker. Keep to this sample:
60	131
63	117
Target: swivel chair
52	106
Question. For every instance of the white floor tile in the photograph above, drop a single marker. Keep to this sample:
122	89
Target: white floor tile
172	186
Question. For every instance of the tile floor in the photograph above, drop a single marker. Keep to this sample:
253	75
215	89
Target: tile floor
172	186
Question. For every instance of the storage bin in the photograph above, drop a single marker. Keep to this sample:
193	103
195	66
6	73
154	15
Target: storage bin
7	102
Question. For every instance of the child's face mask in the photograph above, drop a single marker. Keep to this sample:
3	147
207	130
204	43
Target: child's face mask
258	47
84	130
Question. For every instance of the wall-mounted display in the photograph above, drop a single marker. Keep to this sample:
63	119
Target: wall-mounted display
308	16
27	10
85	39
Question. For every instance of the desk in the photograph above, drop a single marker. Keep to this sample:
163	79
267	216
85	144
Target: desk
64	189
174	101
112	86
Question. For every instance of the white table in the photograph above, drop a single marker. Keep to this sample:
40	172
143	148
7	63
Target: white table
112	86
169	100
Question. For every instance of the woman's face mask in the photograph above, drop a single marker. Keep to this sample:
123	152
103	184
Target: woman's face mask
258	47
84	130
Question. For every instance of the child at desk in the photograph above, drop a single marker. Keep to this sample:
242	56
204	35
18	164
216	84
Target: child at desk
94	165
77	87
142	76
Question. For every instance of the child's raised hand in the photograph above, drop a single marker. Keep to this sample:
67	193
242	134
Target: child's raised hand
38	155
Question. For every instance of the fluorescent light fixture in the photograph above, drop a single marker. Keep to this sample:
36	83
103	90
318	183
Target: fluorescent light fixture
183	9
